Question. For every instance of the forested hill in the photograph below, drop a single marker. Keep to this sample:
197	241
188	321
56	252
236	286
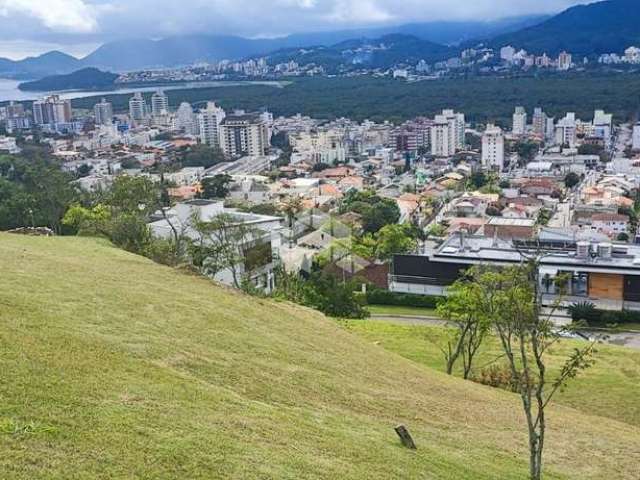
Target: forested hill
602	27
85	79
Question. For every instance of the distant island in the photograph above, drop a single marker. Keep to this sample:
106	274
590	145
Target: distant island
85	79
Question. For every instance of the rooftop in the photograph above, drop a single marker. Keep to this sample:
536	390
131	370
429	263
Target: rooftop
480	249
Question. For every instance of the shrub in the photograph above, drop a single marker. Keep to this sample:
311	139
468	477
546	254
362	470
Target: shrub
385	297
584	311
498	376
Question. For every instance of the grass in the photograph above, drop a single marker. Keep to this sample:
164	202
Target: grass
610	389
399	310
114	367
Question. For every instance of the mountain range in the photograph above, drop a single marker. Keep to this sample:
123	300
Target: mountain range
383	52
602	27
134	54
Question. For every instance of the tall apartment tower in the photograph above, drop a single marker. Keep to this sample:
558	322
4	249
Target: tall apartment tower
519	121
244	134
137	107
566	130
185	119
209	121
159	104
51	110
103	113
565	61
539	122
456	129
441	134
636	137
493	148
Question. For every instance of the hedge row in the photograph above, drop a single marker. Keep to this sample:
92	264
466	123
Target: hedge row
384	297
599	318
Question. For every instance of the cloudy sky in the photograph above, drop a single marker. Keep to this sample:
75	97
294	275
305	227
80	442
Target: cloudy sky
77	26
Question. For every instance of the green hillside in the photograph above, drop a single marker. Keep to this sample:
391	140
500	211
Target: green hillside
114	367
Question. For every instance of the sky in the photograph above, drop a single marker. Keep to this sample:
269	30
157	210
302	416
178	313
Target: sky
29	27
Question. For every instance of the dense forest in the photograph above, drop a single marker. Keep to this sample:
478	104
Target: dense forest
482	99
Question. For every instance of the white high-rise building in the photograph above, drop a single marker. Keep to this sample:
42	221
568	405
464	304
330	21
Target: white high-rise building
493	148
209	120
507	53
456	123
185	119
51	110
632	55
602	125
137	107
103	113
244	134
520	121
441	138
566	131
159	104
636	137
565	61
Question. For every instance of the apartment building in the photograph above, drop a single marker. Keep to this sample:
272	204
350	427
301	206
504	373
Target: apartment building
244	134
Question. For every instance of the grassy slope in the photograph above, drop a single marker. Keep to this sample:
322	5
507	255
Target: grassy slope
113	367
611	388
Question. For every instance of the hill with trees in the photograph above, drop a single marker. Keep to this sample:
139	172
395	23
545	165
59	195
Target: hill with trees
114	366
596	28
85	79
382	52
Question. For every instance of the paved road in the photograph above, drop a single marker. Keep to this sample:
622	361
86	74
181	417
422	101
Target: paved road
623	339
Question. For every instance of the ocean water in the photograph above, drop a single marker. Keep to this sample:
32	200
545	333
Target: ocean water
9	89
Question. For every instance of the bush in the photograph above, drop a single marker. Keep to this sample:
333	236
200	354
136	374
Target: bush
584	311
587	312
385	297
498	376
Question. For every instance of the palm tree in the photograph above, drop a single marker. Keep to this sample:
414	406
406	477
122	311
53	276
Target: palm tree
291	207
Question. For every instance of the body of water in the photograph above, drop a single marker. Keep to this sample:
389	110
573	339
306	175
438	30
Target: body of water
9	89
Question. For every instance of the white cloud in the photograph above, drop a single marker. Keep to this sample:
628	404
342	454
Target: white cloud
58	15
360	11
101	20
